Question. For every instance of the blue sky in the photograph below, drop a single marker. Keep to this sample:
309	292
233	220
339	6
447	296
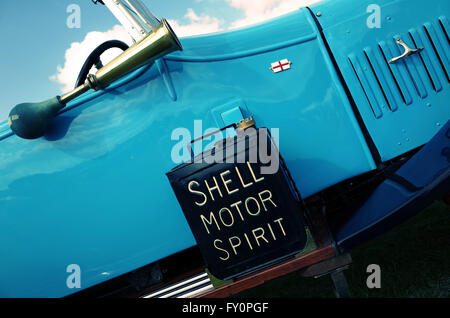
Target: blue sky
36	39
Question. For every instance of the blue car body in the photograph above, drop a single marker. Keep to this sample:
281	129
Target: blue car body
93	190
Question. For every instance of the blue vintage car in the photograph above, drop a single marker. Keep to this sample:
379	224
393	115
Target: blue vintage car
362	107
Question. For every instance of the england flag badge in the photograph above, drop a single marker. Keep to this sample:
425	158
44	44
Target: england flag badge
280	66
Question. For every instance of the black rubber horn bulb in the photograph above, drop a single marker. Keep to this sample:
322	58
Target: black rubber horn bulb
30	120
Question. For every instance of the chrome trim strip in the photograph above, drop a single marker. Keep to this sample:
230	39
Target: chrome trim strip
178	291
197	280
197	292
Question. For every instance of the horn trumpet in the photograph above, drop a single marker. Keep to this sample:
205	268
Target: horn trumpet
30	120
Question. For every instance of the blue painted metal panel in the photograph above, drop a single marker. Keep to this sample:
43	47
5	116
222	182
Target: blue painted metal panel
404	104
93	191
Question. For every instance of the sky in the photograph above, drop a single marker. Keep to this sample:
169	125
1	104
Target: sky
40	56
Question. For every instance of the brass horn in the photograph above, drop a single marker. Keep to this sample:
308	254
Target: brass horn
30	120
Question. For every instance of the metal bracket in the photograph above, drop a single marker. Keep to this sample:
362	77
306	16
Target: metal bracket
335	268
134	16
327	266
341	289
408	51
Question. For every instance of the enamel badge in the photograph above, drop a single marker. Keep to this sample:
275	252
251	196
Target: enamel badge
280	66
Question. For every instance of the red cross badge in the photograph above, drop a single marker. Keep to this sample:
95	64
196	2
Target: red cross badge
280	66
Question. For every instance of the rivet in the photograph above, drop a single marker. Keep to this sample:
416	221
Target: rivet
319	14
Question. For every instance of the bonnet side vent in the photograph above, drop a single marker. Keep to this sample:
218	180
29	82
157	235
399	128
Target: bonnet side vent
366	77
443	22
388	86
437	40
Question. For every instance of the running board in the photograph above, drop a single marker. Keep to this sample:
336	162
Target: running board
188	288
200	285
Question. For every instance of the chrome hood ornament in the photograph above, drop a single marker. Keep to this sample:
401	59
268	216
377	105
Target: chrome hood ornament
408	51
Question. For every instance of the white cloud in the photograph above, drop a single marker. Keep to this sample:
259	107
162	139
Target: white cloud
256	11
78	52
197	24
